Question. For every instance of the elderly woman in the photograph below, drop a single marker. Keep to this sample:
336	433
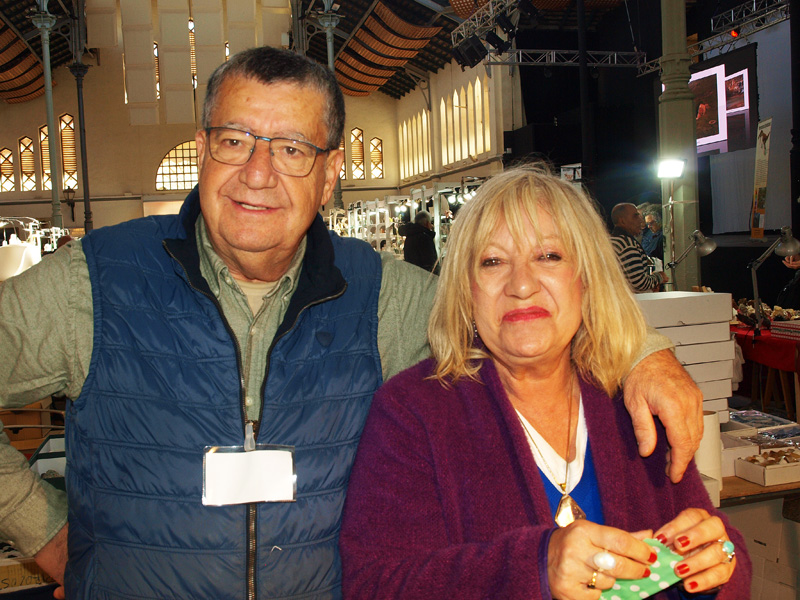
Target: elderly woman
506	465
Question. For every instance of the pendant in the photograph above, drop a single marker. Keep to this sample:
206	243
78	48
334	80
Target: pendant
568	511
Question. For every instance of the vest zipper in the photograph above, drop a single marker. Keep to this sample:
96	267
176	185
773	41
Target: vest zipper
256	425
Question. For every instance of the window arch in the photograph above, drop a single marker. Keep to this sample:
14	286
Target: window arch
69	158
44	144
178	169
426	146
357	152
376	158
487	124
443	130
463	109
401	136
7	171
479	130
27	165
343	169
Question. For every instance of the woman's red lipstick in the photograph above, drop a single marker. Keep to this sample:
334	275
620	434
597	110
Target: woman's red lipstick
526	314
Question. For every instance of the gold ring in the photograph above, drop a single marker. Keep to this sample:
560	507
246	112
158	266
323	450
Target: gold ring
593	582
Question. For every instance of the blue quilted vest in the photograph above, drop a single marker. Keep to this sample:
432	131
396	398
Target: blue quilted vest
164	382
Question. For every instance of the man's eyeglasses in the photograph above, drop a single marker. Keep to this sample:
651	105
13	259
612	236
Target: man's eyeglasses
235	147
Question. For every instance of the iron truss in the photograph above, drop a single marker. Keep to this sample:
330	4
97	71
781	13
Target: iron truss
742	13
771	13
483	20
567	58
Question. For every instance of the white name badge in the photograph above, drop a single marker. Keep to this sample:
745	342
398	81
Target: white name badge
233	476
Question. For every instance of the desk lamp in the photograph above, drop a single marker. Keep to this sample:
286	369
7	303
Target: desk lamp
704	247
785	245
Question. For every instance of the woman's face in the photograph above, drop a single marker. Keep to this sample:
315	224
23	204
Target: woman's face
526	300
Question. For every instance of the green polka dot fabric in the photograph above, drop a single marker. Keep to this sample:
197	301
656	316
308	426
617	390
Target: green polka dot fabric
662	576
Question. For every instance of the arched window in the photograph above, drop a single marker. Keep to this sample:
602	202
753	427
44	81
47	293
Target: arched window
27	165
478	116
6	171
452	122
443	130
426	146
343	170
487	124
69	158
471	120
462	110
376	158
178	169
44	144
402	138
357	151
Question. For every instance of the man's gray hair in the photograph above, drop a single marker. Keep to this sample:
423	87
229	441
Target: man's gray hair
649	208
273	65
422	217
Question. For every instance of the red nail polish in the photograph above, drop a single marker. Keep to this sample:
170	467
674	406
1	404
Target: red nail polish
661	538
682	569
646	573
653	557
683	541
692	585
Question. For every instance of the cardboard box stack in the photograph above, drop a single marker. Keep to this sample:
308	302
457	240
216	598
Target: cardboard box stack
698	325
772	544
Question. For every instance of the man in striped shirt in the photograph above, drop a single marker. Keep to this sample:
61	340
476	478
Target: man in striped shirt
628	223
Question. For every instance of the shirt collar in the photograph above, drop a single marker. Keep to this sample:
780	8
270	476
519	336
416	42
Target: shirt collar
217	273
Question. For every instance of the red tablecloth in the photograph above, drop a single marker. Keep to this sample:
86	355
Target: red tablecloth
764	349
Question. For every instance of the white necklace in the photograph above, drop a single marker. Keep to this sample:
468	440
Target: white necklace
567	510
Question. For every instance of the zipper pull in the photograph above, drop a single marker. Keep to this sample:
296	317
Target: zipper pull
249	437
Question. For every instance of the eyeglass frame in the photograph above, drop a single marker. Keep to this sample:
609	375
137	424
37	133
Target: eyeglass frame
263	138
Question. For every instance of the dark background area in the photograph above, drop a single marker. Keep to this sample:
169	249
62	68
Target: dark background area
624	122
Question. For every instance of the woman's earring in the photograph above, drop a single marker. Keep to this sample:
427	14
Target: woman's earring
475	334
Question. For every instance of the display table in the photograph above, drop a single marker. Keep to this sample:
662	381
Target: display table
737	491
776	353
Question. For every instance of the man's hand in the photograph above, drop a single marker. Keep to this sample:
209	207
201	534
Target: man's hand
793	262
53	559
661	386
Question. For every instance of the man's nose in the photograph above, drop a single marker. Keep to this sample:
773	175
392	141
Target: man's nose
259	171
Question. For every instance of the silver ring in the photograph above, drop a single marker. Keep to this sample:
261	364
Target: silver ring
604	561
593	582
728	548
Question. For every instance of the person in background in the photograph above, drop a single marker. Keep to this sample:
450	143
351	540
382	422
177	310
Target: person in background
653	235
628	223
419	247
505	466
241	321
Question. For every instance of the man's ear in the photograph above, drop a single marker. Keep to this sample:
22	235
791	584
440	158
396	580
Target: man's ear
333	165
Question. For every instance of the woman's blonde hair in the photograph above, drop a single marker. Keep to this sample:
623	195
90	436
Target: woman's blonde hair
612	330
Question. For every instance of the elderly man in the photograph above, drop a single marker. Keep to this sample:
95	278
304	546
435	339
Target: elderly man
419	248
628	223
653	235
220	365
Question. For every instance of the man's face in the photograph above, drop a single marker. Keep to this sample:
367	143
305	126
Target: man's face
652	224
251	208
632	221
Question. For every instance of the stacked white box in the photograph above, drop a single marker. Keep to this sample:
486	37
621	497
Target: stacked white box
698	325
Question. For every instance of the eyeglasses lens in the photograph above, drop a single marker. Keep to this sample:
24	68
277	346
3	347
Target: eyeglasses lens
235	147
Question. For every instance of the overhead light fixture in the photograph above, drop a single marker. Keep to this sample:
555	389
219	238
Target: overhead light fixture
734	33
671	168
506	25
497	42
470	52
527	8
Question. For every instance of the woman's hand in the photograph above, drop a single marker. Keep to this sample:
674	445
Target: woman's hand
699	537
571	566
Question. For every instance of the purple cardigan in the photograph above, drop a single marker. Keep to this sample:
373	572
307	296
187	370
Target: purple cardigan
446	501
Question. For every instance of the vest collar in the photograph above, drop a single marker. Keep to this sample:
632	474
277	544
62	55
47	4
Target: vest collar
319	277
